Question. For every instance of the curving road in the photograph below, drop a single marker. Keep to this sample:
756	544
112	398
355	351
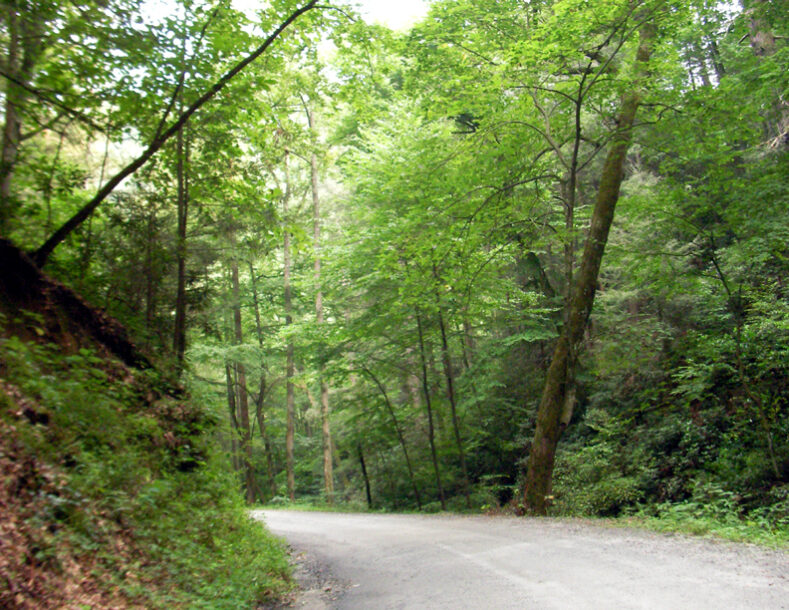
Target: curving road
377	562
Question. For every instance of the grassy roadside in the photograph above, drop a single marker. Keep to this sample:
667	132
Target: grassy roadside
112	493
732	530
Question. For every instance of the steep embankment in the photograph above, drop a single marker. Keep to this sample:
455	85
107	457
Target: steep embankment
110	494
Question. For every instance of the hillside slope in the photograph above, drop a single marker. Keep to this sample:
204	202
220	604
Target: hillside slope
112	494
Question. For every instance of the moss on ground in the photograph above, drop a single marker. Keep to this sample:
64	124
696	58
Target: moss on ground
112	492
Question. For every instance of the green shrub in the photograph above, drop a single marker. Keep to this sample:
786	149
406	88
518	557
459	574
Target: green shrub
596	475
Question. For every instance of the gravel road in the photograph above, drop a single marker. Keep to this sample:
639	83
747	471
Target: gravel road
377	562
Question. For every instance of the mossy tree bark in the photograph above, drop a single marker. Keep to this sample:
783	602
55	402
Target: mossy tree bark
552	415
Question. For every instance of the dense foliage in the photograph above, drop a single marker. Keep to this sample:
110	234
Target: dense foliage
432	190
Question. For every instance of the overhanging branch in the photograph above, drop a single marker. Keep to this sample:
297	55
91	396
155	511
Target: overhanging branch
41	255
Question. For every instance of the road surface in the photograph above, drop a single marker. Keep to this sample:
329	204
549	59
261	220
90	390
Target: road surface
377	562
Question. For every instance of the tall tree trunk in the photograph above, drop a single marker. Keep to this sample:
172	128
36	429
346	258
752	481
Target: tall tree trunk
553	415
290	435
261	417
570	201
182	176
364	475
243	396
701	62
430	429
450	377
150	279
11	127
712	48
231	406
24	44
262	394
339	472
328	475
435	386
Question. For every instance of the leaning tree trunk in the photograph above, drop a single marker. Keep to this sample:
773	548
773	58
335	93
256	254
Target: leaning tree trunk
430	427
553	416
182	184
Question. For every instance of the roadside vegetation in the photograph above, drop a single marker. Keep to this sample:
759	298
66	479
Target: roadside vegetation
113	493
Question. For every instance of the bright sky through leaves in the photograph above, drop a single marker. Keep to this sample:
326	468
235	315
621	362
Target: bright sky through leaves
396	15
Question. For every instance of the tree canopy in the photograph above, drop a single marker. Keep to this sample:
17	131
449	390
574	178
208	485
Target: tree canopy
524	254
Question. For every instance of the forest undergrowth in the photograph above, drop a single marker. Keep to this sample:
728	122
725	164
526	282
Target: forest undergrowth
112	494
